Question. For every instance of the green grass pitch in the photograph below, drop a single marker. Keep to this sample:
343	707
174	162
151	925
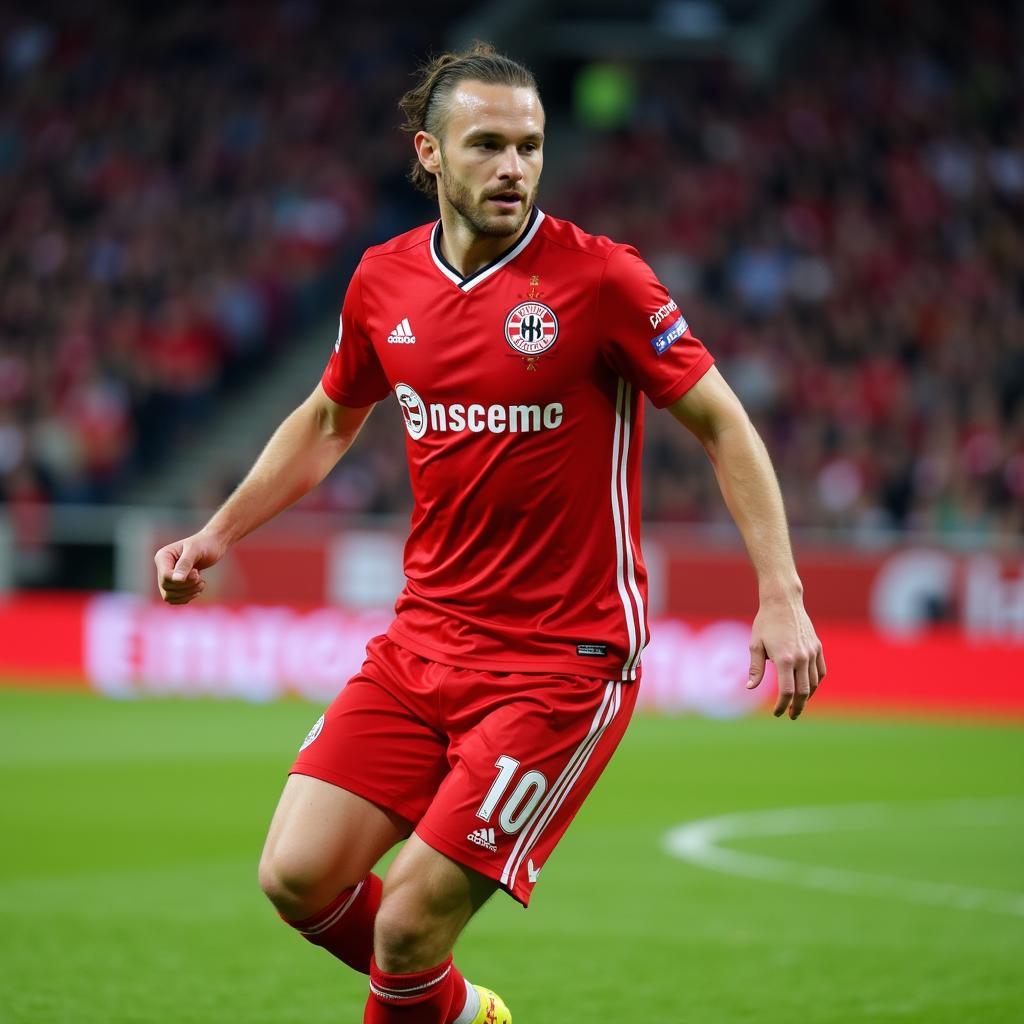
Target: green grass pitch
131	831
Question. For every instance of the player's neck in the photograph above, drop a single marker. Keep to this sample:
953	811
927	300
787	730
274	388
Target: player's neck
465	248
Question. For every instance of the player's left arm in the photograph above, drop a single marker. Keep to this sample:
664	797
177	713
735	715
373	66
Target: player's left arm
782	629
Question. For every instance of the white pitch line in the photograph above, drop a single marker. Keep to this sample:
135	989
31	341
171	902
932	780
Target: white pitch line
698	843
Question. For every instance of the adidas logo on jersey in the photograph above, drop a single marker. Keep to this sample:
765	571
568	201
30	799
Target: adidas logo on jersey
484	837
402	334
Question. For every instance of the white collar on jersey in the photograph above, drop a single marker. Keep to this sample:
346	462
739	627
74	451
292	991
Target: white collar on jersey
466	283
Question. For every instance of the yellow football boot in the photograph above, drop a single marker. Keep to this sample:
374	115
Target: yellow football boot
492	1008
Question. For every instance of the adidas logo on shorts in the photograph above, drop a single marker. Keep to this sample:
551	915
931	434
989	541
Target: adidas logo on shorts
484	837
402	334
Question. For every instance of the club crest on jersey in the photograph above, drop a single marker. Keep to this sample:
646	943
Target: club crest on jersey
531	329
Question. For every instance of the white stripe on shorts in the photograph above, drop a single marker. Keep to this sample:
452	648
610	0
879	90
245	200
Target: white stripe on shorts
556	796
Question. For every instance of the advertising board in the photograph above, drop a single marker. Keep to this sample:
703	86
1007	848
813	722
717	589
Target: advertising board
124	646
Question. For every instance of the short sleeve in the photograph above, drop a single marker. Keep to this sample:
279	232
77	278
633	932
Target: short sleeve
646	337
354	376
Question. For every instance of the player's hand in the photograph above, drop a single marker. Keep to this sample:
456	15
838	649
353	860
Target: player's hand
179	566
783	632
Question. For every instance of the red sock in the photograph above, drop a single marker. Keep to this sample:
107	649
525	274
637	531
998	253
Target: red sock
435	996
345	926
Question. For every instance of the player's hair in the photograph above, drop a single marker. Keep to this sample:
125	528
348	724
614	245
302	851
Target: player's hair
425	106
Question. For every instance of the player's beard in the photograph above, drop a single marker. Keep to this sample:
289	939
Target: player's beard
472	210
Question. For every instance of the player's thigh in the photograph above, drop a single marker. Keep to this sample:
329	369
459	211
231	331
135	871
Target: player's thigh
377	746
367	770
521	774
323	839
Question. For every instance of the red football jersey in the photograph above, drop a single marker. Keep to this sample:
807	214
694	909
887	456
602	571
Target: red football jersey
521	387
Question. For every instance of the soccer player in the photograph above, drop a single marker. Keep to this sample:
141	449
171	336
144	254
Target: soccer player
519	349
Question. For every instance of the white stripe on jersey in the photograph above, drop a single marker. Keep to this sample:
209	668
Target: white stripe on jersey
620	452
627	535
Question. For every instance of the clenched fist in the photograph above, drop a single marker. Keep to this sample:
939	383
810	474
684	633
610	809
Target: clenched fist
179	566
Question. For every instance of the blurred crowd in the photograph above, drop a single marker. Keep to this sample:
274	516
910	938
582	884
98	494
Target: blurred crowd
850	244
178	197
177	188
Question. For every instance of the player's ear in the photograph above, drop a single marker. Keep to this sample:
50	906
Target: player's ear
428	151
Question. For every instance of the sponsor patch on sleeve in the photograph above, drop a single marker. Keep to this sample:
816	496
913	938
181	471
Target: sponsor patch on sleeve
663	313
668	337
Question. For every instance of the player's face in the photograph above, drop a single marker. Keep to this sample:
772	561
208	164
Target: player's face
491	155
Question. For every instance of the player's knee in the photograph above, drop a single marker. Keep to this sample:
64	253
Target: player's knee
280	887
406	936
295	886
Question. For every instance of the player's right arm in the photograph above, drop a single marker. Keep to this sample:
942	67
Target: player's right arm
301	452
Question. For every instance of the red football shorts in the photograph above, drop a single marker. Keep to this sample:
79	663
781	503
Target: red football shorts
489	768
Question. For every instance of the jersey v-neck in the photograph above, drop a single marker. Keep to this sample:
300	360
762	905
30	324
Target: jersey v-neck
472	280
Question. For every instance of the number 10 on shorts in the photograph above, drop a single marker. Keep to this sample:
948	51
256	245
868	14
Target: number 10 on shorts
522	801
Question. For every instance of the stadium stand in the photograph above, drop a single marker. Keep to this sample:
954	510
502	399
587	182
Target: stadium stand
850	243
177	202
